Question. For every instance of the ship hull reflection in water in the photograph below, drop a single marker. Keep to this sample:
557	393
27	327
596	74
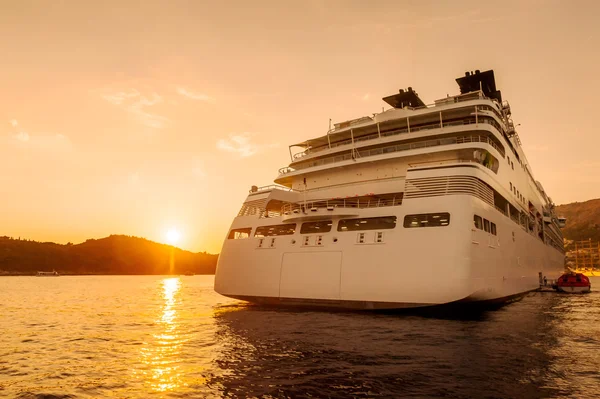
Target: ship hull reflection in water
162	355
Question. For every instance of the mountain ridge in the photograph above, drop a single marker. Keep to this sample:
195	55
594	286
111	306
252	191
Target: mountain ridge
115	254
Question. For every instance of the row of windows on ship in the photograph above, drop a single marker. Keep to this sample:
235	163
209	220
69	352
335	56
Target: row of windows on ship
356	224
516	192
484	224
374	223
514	188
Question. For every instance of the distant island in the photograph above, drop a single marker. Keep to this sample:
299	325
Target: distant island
117	254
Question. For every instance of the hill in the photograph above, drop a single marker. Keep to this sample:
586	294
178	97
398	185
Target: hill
116	254
583	220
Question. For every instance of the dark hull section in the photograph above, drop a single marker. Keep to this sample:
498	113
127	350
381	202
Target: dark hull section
468	303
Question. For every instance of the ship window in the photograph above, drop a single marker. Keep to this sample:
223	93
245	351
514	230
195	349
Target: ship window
275	230
493	225
478	222
316	227
380	223
427	220
486	225
508	159
237	234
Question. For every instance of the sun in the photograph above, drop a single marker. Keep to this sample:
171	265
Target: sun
173	236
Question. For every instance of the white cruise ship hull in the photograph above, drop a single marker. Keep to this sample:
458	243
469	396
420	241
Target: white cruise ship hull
411	268
418	206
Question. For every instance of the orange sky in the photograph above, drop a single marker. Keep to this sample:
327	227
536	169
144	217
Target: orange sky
133	117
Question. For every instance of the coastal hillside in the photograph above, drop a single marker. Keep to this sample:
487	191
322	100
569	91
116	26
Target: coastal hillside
583	220
116	254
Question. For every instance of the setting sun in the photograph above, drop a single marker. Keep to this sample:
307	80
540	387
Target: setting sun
173	236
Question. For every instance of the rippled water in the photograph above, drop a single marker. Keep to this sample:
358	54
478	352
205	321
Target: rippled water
150	336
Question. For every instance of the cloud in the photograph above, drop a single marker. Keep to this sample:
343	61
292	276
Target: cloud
14	122
42	141
135	103
362	97
121	97
194	95
241	144
149	119
22	136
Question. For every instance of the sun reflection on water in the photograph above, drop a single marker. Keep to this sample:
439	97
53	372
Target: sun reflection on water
162	355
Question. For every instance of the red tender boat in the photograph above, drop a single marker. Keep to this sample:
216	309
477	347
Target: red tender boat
573	282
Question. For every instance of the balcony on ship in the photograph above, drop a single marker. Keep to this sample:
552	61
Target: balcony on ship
388	149
401	121
340	207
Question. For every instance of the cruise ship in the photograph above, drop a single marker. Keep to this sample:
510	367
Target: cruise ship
419	205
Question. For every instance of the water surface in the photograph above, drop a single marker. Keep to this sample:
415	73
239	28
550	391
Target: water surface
153	336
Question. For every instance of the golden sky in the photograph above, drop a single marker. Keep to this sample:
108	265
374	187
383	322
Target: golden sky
133	117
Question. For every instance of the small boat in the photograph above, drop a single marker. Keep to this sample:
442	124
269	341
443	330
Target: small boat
573	282
53	273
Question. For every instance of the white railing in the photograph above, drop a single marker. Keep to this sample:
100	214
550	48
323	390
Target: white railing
287	169
395	148
429	126
255	189
312	206
442	162
395	132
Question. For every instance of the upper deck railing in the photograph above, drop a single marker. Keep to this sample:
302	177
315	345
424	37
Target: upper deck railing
395	132
313	206
395	148
255	189
461	98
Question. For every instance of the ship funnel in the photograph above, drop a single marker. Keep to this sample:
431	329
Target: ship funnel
484	81
405	98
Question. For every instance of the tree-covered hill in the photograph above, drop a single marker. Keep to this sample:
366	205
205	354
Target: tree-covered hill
583	220
116	254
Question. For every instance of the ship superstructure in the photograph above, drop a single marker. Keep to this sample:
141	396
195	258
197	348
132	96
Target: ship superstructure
419	205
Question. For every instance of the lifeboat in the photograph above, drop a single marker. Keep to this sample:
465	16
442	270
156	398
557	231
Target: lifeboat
573	282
